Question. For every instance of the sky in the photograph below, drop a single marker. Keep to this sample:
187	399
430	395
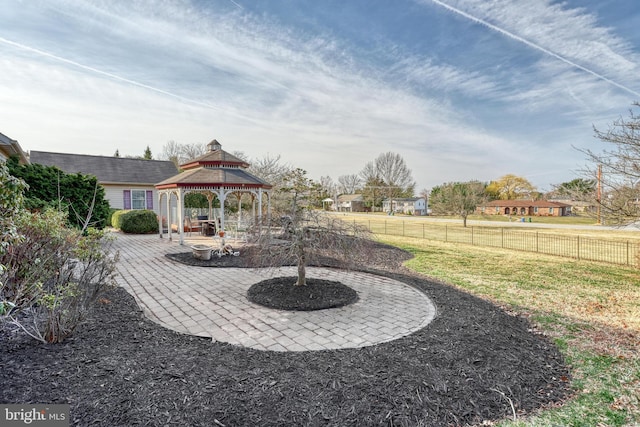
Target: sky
460	89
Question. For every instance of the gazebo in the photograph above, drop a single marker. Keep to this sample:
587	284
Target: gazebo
215	173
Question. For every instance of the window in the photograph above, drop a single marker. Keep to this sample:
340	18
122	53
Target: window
551	211
138	199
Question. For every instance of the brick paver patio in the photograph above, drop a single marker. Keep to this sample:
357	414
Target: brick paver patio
212	302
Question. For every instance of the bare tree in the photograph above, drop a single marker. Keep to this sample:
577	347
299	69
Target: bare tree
616	170
394	172
457	198
172	151
425	194
181	153
391	172
309	236
191	151
270	168
349	184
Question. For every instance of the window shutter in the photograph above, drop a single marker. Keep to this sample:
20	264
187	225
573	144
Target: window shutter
150	200
126	194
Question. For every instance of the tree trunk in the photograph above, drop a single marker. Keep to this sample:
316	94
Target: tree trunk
302	259
302	273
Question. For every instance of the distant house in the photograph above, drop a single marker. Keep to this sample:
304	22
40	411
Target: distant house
406	205
128	183
10	147
524	208
350	203
578	206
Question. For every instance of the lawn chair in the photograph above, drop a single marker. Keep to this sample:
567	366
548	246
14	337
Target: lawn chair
191	225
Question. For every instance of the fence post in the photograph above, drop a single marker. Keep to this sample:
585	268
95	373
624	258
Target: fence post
628	252
502	236
578	239
471	235
537	241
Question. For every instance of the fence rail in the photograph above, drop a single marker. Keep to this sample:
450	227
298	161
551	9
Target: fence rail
621	252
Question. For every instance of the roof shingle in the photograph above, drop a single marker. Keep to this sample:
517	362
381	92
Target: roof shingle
108	170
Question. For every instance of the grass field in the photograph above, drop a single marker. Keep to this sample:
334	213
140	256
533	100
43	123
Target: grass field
590	310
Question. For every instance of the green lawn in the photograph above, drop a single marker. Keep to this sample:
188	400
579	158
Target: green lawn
590	310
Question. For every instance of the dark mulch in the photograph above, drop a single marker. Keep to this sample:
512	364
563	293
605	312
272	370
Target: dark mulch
317	294
120	369
225	261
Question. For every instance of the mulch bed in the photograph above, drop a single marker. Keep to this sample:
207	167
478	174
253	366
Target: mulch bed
318	294
471	364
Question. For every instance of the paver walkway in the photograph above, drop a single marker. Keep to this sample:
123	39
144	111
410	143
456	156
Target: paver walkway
212	302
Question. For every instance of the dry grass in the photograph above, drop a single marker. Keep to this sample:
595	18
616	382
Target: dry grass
591	310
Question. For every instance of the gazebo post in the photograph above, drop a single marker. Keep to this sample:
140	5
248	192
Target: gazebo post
239	196
169	215
160	216
181	216
210	200
222	196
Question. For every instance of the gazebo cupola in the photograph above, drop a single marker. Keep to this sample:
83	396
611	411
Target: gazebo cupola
218	173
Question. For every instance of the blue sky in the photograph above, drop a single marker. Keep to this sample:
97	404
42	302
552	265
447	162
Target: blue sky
461	89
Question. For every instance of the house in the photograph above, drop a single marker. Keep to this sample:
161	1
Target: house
128	183
405	205
350	203
524	208
10	147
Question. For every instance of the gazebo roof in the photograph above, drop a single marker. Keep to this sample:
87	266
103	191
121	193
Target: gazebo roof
218	177
214	169
216	156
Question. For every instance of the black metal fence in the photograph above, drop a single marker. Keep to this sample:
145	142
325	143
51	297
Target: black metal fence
622	252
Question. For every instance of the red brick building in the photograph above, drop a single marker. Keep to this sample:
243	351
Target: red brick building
524	208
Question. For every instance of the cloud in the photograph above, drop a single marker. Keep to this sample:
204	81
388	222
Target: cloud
568	35
107	75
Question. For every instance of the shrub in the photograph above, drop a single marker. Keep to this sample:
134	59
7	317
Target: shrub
11	198
115	218
53	275
79	195
139	222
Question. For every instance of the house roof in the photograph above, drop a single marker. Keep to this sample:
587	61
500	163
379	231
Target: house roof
108	170
10	147
526	203
350	198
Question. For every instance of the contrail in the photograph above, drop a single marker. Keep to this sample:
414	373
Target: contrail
104	73
534	45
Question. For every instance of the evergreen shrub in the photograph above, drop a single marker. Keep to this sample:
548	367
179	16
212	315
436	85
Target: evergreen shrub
139	222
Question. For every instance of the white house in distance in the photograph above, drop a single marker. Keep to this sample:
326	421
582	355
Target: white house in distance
405	205
128	183
349	203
